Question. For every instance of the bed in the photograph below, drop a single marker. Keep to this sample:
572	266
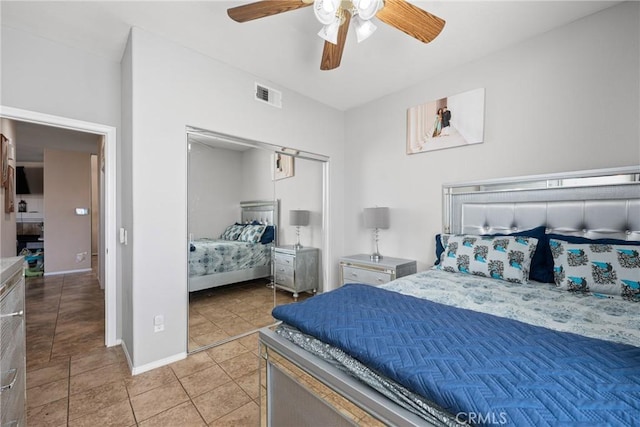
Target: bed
232	258
457	345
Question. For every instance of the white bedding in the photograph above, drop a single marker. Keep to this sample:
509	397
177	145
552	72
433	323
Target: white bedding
211	256
545	305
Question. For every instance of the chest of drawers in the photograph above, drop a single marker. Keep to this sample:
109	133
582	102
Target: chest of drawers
12	344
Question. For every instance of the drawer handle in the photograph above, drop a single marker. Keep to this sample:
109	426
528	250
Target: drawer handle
16	314
9	386
354	274
380	279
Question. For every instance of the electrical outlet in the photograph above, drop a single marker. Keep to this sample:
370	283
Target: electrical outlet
158	323
81	257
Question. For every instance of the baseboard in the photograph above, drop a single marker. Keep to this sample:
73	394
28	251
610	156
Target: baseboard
57	273
135	370
126	354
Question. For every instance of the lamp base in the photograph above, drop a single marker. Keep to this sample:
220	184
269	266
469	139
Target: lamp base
375	257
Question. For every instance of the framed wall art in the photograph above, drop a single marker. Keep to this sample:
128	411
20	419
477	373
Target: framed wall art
453	121
282	166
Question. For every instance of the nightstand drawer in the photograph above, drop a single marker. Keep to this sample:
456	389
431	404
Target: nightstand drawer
284	260
358	275
285	280
284	274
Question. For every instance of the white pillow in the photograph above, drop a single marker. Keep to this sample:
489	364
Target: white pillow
252	233
232	232
500	257
599	268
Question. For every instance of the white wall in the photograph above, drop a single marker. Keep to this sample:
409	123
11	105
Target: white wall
257	183
47	77
125	171
302	191
174	87
215	182
565	100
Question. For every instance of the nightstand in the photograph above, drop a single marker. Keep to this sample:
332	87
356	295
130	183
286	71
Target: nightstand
360	269
296	270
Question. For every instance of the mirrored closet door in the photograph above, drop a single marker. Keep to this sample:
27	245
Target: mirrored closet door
300	249
240	197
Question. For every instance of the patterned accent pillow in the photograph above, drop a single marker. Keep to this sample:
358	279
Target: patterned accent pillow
252	233
505	257
232	232
597	268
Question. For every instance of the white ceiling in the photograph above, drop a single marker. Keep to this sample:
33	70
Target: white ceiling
284	49
32	139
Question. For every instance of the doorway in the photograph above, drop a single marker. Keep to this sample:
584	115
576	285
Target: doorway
108	247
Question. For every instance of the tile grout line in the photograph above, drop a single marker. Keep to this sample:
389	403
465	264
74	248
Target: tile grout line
56	322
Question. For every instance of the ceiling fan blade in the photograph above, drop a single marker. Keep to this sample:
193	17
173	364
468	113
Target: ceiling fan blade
332	53
411	19
261	9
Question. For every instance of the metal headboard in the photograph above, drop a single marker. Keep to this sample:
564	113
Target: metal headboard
263	211
594	204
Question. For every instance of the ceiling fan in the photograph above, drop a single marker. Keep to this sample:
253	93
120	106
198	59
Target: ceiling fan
335	16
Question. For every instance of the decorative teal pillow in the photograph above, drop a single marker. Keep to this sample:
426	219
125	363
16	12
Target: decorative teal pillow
252	233
232	232
598	268
505	257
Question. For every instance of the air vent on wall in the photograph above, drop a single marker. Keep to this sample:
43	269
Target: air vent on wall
268	95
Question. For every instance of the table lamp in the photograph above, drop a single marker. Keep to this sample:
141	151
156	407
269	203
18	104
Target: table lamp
299	218
376	218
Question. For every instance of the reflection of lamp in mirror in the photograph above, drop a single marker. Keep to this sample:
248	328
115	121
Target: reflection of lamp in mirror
298	218
376	218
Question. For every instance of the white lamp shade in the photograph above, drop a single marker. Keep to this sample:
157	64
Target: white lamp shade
298	217
330	32
367	9
376	217
326	10
363	28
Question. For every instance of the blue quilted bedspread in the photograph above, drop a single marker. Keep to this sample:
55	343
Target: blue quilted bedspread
489	369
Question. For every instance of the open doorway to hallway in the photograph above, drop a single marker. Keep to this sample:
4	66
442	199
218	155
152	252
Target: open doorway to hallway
108	247
56	187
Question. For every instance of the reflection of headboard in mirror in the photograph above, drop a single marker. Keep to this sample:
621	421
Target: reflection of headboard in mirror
263	211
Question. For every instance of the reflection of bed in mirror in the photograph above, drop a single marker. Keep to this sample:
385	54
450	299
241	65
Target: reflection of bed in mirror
242	252
448	347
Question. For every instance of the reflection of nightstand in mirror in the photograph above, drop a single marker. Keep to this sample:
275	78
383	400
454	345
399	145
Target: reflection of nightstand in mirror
360	269
296	270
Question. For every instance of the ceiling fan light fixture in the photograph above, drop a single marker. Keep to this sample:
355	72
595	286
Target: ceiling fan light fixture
330	32
326	11
363	28
367	9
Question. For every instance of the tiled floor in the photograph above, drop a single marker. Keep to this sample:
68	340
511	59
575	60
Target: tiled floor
73	380
219	313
